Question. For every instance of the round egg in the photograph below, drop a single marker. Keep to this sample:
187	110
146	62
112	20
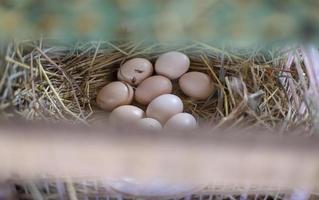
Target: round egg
126	115
114	94
197	85
151	88
163	107
134	71
181	122
172	64
149	124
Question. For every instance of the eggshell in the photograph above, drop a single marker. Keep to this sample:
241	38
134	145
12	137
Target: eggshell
197	85
114	94
181	122
126	115
172	64
134	71
164	106
236	85
151	88
149	124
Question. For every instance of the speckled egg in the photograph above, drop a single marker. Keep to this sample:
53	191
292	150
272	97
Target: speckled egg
134	71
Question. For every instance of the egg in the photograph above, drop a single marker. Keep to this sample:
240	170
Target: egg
197	85
149	124
114	94
154	188
134	71
151	88
126	115
172	64
163	107
181	122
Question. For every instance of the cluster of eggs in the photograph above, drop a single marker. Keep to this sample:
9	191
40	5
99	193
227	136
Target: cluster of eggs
164	110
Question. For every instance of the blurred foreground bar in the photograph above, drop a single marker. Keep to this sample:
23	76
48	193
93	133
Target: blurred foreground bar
198	158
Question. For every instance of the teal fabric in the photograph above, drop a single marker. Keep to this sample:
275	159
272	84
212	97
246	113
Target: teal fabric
236	21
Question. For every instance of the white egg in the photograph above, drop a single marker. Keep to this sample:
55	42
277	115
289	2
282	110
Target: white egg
149	124
125	115
181	122
163	107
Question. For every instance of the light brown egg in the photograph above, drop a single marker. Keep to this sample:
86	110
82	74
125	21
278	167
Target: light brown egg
134	71
197	85
181	122
114	94
172	64
126	115
151	88
164	106
149	124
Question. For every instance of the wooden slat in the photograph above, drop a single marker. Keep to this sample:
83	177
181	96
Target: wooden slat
199	159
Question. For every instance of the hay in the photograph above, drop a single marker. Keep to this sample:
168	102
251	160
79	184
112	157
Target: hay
60	82
98	190
44	80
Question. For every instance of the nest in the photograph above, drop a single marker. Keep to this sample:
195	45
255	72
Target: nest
44	80
60	82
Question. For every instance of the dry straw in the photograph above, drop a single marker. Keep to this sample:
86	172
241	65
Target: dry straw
40	80
45	80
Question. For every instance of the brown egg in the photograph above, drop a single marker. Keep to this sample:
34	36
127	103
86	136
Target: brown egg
172	64
197	85
134	71
163	107
151	88
114	94
126	115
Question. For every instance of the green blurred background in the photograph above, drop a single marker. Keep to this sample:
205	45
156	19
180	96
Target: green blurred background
236	21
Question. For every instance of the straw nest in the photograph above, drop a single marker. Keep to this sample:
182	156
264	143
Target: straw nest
50	81
46	80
